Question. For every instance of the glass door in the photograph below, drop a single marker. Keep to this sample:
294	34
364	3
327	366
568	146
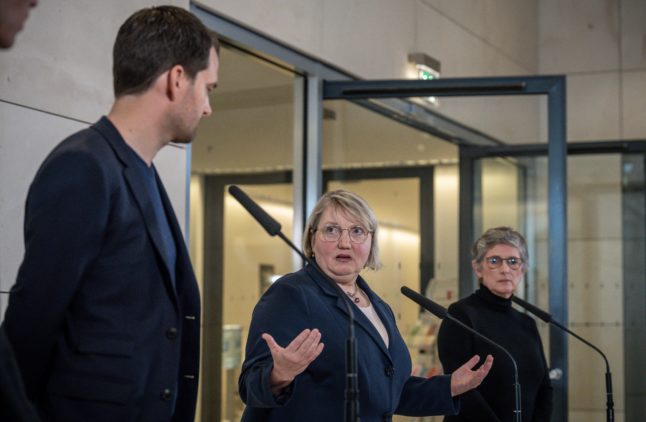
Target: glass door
489	192
249	141
605	246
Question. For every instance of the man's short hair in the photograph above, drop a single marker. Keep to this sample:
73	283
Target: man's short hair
153	40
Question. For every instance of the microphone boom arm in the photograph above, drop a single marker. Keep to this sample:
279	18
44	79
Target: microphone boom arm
441	312
610	411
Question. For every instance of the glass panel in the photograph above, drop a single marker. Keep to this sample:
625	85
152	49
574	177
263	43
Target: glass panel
355	137
252	261
510	119
252	126
634	286
401	172
248	141
595	288
596	225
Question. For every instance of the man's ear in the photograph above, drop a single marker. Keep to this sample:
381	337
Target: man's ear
175	80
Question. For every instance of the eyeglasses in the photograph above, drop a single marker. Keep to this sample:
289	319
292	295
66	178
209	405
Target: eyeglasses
332	233
494	262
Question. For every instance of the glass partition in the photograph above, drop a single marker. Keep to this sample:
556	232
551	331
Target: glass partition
402	173
598	194
248	141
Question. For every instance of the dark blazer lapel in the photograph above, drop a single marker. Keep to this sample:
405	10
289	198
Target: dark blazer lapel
365	323
326	286
133	179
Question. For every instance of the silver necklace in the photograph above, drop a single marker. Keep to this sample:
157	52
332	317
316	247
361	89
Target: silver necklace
353	295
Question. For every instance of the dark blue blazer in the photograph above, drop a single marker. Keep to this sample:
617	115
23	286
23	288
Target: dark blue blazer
99	331
306	300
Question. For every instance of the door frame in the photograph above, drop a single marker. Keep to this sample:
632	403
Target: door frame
554	87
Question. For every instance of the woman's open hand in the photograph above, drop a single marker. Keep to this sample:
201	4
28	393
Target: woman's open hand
464	379
293	359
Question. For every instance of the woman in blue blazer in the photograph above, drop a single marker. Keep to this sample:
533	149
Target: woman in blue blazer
305	379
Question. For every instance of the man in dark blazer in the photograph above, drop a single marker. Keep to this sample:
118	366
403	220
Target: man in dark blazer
104	317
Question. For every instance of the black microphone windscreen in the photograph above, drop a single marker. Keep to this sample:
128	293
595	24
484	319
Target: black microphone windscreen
426	303
533	309
266	221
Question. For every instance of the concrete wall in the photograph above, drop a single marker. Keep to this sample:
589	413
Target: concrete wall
372	38
599	45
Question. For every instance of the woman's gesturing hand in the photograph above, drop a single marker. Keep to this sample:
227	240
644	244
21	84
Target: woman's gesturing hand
293	359
464	379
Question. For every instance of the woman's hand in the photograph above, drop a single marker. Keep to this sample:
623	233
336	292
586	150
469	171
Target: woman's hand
464	379
293	359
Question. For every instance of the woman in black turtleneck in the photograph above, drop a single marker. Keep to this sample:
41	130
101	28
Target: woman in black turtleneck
500	262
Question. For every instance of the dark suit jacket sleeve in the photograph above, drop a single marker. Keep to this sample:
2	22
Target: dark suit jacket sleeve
424	396
455	347
66	213
281	312
427	396
14	405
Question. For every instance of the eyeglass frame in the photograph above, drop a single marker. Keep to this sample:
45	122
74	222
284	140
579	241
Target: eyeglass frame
368	233
491	266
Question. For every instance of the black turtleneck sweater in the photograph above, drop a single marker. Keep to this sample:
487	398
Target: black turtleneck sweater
494	399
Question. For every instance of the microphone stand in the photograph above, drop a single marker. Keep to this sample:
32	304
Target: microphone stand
610	411
273	227
440	312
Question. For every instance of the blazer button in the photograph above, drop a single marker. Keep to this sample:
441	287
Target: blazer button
166	395
390	371
171	333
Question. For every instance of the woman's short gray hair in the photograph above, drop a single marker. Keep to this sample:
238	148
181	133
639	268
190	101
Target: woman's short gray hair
354	206
496	236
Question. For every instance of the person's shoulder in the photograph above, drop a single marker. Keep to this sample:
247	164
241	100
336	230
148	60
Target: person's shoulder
81	146
463	304
464	309
88	141
524	319
296	282
82	160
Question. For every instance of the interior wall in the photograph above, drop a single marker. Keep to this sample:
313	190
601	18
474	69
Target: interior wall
483	38
599	45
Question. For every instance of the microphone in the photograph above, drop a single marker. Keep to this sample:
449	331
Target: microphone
273	227
441	312
610	411
266	221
